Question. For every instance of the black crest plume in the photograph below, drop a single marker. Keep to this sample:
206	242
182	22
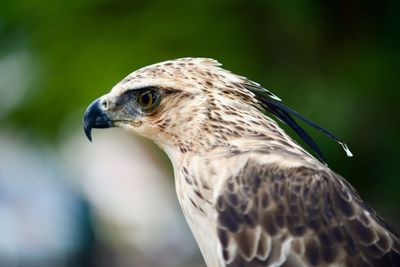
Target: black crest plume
273	104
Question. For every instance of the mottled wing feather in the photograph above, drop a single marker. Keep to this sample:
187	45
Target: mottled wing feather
269	216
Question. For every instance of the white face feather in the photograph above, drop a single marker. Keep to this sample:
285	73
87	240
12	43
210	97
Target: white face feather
183	74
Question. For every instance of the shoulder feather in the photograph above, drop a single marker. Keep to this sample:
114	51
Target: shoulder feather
299	216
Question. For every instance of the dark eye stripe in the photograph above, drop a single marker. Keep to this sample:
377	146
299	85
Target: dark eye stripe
169	91
140	89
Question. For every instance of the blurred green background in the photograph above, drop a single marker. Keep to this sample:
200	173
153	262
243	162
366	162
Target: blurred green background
336	62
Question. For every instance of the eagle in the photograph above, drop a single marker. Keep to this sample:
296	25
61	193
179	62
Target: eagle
252	196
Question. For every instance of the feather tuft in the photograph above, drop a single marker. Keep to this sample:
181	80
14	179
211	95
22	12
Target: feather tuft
272	104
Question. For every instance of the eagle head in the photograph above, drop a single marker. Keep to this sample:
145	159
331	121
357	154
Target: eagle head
175	103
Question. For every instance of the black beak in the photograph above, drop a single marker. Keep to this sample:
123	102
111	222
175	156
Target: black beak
95	117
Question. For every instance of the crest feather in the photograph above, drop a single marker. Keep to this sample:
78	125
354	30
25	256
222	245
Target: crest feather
273	104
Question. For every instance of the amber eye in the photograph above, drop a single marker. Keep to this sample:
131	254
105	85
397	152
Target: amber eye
147	99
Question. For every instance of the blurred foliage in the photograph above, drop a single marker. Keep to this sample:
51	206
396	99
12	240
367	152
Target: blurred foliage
336	62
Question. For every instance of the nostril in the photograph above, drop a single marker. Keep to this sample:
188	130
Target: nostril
104	104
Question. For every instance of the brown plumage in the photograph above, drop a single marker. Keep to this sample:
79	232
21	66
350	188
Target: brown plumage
317	210
251	195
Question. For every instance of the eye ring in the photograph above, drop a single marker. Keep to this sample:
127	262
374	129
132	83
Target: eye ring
147	99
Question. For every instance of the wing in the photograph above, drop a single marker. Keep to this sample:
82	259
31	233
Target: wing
269	216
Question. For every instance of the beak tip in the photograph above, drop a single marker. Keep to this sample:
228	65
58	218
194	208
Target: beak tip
89	135
88	130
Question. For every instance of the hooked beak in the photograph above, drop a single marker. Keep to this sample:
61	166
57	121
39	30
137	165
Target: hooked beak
95	117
